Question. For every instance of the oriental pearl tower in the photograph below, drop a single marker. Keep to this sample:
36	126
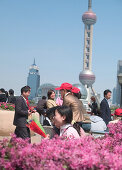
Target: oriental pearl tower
86	76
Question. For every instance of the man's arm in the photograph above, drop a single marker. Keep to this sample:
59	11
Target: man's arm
19	108
103	109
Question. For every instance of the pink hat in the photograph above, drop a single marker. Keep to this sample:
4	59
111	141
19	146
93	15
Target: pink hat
75	90
64	86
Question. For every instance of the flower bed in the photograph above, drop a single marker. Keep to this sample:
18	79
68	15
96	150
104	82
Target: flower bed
58	154
7	106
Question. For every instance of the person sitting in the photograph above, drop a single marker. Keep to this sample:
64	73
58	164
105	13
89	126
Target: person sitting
11	97
117	116
93	106
97	123
50	113
62	120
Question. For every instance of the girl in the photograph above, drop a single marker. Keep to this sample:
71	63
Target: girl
62	120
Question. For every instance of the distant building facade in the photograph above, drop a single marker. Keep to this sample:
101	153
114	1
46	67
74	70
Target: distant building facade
114	96
118	89
44	88
33	80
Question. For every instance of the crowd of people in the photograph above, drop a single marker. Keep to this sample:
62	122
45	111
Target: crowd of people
66	114
7	96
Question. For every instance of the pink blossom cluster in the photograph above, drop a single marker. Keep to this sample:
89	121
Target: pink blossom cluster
7	106
60	154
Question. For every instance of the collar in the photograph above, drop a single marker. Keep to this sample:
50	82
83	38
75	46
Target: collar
64	127
67	93
106	99
24	98
51	99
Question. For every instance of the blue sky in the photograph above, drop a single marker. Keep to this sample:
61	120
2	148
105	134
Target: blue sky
52	31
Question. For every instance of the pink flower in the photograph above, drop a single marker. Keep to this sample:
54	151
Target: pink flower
58	153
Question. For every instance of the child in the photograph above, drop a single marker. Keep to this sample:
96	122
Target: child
62	119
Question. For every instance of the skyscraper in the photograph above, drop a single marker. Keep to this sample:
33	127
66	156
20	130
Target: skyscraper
87	77
114	96
118	89
33	80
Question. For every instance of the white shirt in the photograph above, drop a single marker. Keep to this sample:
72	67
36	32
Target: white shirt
108	102
24	99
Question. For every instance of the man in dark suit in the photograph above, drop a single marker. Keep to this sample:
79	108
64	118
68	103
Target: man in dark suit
21	114
104	107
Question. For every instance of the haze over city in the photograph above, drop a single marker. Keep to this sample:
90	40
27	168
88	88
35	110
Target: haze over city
52	32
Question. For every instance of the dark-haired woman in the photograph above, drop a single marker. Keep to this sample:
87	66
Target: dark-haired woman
62	120
51	99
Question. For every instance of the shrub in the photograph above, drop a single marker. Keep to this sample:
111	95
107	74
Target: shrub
7	106
59	154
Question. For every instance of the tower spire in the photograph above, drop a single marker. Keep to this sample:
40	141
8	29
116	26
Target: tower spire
90	5
89	18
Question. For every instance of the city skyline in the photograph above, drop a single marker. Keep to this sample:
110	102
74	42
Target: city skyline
53	34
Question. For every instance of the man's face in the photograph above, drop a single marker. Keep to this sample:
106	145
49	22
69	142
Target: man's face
62	93
108	96
26	94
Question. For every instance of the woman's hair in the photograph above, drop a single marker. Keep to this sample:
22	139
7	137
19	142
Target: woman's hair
65	111
49	93
77	127
2	90
50	113
78	95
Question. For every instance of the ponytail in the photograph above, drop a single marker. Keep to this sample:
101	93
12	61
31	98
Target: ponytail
77	127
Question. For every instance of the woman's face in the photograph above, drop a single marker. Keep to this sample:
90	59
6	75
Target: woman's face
52	96
59	120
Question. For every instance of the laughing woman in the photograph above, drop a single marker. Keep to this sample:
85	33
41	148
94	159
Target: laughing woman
62	120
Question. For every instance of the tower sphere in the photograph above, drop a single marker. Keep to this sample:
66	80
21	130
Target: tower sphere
86	77
89	18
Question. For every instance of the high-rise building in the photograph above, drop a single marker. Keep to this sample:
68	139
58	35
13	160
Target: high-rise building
114	96
87	77
118	88
33	80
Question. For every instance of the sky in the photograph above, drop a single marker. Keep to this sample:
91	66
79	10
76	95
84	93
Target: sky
52	32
